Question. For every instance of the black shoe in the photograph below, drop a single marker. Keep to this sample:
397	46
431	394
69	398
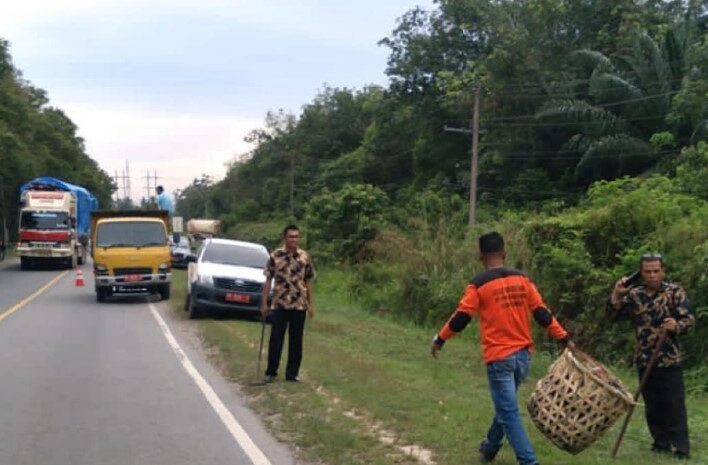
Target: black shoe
682	455
486	455
296	379
269	379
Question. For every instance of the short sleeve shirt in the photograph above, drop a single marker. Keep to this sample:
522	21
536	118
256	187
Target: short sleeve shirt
290	273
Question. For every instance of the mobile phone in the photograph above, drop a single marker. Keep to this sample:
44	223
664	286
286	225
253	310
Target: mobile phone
633	279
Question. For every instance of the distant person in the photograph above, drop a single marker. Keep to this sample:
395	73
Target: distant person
291	270
164	201
504	299
655	306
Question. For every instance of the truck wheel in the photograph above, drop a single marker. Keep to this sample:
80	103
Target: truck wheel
25	263
164	290
101	294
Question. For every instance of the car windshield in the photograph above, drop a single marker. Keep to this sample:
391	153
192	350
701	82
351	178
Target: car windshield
131	234
233	254
44	220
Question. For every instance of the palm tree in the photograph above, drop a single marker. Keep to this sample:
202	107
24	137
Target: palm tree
627	100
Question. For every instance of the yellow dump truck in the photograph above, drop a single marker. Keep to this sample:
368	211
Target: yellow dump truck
131	252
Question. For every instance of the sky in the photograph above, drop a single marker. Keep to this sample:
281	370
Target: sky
172	87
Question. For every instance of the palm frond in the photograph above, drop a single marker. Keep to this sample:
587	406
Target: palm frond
613	156
607	87
592	119
594	59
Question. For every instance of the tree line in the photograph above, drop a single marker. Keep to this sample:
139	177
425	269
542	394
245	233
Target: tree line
573	92
37	139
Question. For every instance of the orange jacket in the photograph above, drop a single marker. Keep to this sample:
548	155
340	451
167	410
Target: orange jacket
505	299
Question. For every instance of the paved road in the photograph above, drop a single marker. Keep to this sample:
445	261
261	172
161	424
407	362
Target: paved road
90	384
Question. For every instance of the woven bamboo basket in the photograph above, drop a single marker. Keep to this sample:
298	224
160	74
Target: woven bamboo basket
577	401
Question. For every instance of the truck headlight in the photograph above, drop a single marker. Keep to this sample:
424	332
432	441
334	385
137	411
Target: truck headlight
164	267
100	270
206	280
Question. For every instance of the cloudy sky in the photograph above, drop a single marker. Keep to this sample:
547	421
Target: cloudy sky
173	86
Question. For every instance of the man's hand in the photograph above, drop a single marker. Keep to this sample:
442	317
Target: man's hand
264	309
434	349
311	312
619	290
436	346
670	325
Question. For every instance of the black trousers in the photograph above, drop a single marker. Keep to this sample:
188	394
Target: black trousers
294	322
665	408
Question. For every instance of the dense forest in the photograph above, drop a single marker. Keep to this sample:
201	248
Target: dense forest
593	128
37	139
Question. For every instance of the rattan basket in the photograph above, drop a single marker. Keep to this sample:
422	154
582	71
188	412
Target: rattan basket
577	401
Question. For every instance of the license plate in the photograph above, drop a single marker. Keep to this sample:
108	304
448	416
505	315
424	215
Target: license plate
131	278
39	251
238	298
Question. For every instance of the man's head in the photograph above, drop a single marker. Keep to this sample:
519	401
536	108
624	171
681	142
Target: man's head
491	249
291	237
651	267
159	190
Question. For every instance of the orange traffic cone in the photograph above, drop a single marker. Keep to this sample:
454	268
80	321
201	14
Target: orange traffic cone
79	278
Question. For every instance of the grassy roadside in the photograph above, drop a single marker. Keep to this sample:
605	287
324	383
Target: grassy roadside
371	391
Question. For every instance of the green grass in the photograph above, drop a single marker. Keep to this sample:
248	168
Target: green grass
364	373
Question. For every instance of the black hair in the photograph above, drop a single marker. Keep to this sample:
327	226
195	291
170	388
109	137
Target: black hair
290	227
159	189
651	257
491	242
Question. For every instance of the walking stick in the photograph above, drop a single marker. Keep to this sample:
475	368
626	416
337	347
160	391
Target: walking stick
260	347
645	376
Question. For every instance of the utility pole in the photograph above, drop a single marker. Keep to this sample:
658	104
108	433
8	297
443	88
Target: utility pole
147	186
473	168
475	150
126	180
292	184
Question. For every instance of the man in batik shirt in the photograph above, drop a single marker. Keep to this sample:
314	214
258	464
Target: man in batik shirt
291	271
653	307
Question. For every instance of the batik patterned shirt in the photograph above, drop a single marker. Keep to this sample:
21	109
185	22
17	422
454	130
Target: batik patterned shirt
290	273
647	313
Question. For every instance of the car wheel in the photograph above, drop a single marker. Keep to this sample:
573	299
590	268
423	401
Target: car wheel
193	309
164	290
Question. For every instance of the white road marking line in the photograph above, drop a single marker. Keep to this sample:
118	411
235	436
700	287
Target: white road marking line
256	456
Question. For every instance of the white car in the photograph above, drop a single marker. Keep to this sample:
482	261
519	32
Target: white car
226	275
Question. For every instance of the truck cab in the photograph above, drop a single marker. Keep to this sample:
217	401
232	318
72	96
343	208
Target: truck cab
48	228
131	252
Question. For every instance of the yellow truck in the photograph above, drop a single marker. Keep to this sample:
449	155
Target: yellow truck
131	252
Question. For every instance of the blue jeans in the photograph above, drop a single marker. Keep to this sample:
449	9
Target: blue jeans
504	378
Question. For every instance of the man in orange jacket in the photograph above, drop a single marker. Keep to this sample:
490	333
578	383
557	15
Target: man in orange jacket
505	299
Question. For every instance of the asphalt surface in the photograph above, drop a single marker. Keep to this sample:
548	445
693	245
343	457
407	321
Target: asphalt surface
85	383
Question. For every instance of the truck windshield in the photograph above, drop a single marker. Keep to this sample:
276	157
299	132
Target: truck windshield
230	254
44	220
133	234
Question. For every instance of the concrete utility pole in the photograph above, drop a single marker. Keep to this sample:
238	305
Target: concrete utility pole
292	184
473	168
475	150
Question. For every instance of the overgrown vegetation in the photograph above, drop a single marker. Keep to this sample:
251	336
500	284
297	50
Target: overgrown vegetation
594	116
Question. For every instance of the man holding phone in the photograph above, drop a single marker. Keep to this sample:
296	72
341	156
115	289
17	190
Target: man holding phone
655	306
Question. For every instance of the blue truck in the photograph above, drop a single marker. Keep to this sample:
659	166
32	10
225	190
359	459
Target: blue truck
54	223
